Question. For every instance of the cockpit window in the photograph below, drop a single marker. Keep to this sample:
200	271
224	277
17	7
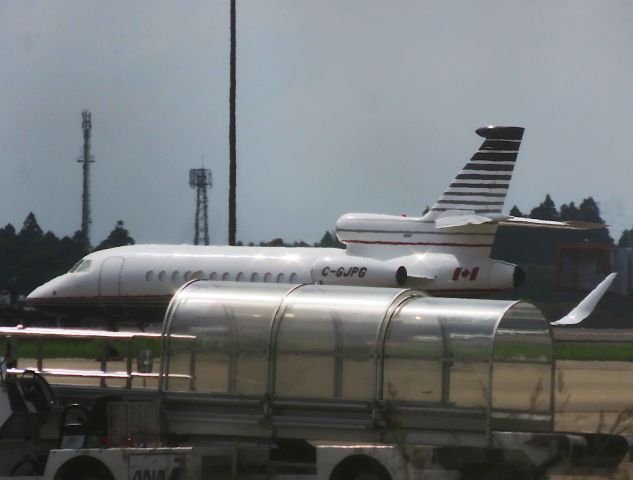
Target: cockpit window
81	266
75	266
85	266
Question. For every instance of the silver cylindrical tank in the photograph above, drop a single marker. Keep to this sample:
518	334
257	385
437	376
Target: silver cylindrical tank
357	357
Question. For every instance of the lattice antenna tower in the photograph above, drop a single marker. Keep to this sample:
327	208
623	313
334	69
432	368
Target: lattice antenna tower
86	159
200	179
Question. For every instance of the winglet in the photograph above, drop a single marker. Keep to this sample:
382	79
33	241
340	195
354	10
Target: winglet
586	306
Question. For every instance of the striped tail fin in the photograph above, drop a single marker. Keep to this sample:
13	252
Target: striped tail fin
481	187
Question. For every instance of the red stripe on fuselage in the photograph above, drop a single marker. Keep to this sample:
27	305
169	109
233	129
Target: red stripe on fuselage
464	291
382	242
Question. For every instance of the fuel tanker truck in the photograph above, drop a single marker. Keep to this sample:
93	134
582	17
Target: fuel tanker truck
273	381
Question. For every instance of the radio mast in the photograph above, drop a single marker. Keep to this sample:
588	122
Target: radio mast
200	179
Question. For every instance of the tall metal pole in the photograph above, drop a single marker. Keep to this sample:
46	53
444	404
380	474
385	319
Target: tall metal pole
86	160
232	136
205	213
196	235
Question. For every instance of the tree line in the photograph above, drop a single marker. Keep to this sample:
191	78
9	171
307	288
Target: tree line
539	245
30	257
328	240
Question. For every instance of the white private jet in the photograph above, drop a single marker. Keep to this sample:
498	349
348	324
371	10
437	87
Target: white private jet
444	252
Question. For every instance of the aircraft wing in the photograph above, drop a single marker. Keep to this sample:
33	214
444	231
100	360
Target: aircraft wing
462	219
586	306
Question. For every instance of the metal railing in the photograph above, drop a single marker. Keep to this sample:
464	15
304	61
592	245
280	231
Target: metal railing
13	336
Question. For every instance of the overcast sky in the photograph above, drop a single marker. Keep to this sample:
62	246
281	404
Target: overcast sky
342	106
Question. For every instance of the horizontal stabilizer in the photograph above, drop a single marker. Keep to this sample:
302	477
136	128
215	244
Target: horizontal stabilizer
567	225
584	308
461	220
450	221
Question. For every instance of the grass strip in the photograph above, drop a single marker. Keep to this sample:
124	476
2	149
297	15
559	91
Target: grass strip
607	351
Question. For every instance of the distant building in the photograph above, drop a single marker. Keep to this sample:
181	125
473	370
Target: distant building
581	266
623	265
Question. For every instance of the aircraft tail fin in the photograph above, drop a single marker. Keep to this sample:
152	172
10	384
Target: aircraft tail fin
480	188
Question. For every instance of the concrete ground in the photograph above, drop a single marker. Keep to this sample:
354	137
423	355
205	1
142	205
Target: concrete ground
594	396
589	396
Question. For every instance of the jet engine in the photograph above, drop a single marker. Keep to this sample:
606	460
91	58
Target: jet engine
357	271
506	275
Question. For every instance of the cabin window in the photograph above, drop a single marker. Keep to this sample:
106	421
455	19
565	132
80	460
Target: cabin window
293	277
187	276
226	276
255	277
197	275
268	277
175	277
213	276
162	275
281	278
240	277
149	276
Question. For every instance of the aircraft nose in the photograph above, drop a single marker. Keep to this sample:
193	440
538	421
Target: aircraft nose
45	295
51	297
40	293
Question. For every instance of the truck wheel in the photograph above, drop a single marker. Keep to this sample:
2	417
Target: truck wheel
360	467
84	468
88	475
368	476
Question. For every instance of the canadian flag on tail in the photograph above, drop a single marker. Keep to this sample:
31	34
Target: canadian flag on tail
465	273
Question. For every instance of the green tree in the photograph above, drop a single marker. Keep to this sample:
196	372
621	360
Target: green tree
546	210
515	212
31	231
329	240
118	237
589	211
275	242
626	239
71	249
570	212
8	244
